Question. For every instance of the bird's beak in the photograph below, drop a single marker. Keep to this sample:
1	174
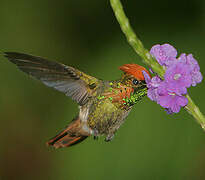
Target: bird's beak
143	85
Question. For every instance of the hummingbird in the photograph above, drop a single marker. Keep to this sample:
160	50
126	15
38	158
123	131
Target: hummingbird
103	105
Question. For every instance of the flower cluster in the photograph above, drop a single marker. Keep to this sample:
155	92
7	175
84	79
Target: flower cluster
181	73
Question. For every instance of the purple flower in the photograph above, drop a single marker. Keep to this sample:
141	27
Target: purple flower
153	94
178	77
169	111
180	74
196	76
168	93
152	85
169	99
146	77
155	82
165	54
189	59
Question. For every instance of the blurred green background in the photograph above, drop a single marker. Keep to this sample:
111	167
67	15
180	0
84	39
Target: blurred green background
150	145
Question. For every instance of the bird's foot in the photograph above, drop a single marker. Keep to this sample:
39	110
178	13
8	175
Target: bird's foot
109	137
95	137
95	133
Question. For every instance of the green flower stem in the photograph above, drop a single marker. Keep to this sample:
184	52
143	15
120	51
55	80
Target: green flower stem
138	47
133	40
195	112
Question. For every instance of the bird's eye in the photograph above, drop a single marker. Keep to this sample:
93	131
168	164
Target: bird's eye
135	81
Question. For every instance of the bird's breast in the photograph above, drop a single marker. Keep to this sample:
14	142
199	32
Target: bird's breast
83	114
104	115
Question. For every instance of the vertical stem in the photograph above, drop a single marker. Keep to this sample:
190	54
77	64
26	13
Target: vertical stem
195	112
133	40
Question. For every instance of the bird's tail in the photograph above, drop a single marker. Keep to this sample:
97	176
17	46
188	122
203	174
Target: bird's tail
69	136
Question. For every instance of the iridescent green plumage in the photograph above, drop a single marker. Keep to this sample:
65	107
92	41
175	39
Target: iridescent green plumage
109	110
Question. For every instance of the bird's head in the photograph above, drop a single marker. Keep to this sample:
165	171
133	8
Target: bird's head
133	76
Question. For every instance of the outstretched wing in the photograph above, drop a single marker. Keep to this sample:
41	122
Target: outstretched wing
74	83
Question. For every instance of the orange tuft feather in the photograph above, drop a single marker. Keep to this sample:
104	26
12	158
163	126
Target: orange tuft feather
135	70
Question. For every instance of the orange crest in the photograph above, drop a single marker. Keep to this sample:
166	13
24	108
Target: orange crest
135	70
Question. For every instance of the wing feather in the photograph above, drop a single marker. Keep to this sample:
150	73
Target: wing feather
66	79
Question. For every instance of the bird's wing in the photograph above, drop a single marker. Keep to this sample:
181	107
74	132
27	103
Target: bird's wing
74	83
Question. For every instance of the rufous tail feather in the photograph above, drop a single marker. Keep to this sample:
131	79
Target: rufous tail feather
68	137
